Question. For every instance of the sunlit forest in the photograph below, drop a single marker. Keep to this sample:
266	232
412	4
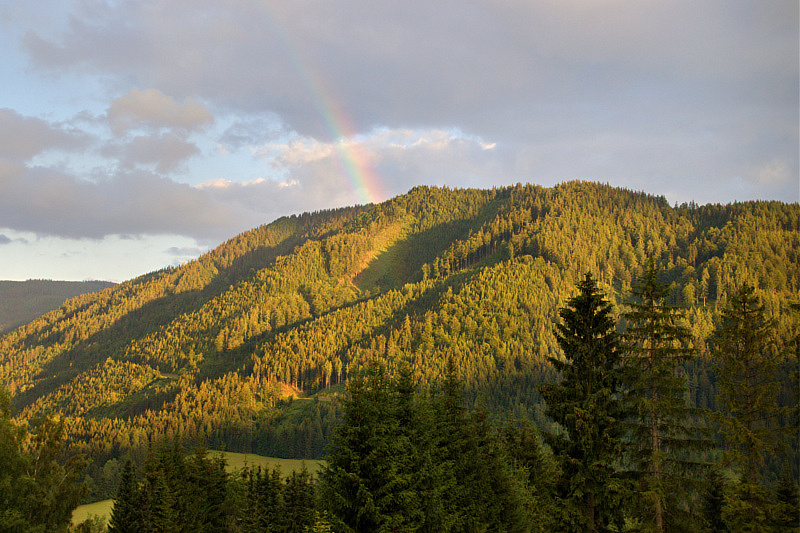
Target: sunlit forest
574	358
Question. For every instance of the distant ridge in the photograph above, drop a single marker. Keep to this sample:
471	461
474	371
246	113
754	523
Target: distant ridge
22	301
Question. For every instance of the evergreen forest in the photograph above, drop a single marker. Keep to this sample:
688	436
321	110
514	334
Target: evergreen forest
23	301
573	358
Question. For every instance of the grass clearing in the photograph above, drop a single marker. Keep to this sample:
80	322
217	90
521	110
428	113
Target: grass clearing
385	268
101	508
237	461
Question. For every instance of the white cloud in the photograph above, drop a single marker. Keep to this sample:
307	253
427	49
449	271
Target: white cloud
775	172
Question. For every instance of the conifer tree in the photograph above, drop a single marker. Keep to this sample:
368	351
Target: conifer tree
785	515
360	484
713	502
123	515
662	437
525	451
587	406
164	517
746	366
748	387
299	501
271	506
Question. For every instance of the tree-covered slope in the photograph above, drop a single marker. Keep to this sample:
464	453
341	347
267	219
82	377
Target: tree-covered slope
23	301
209	350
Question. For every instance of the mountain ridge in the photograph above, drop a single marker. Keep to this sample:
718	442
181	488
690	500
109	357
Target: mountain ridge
23	301
206	350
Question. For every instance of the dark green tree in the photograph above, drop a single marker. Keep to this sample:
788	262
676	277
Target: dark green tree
748	386
586	403
785	514
482	489
271	506
747	362
207	482
123	514
664	444
362	484
713	502
299	497
527	454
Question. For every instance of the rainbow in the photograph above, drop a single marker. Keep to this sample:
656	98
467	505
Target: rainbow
352	155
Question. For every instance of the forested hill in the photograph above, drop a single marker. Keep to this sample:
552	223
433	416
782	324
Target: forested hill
210	350
22	301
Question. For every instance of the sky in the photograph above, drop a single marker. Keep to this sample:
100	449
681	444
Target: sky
137	134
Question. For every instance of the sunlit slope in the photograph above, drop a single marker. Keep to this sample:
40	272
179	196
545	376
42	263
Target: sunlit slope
208	350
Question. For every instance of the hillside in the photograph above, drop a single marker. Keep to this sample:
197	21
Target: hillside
22	301
210	349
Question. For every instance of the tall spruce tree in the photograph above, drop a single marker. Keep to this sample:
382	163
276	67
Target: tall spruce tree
748	386
662	452
747	365
124	514
586	403
365	484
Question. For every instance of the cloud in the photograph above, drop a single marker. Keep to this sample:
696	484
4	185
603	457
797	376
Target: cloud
21	137
4	239
165	152
152	110
669	97
426	64
250	130
51	202
185	251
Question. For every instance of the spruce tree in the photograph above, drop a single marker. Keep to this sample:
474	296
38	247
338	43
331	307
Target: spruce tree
124	513
527	454
481	486
663	441
587	405
713	501
362	484
299	501
748	386
785	513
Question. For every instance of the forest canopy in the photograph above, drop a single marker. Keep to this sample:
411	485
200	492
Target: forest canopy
249	348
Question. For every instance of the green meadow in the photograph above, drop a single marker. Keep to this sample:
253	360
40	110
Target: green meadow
237	461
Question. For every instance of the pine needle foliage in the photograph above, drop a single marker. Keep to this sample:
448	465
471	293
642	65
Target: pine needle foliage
747	366
586	403
663	441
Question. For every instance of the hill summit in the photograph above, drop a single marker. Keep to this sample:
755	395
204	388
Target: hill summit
246	348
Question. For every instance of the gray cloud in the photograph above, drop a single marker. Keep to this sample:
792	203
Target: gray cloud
696	101
165	152
50	202
185	251
24	137
432	63
152	110
4	239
